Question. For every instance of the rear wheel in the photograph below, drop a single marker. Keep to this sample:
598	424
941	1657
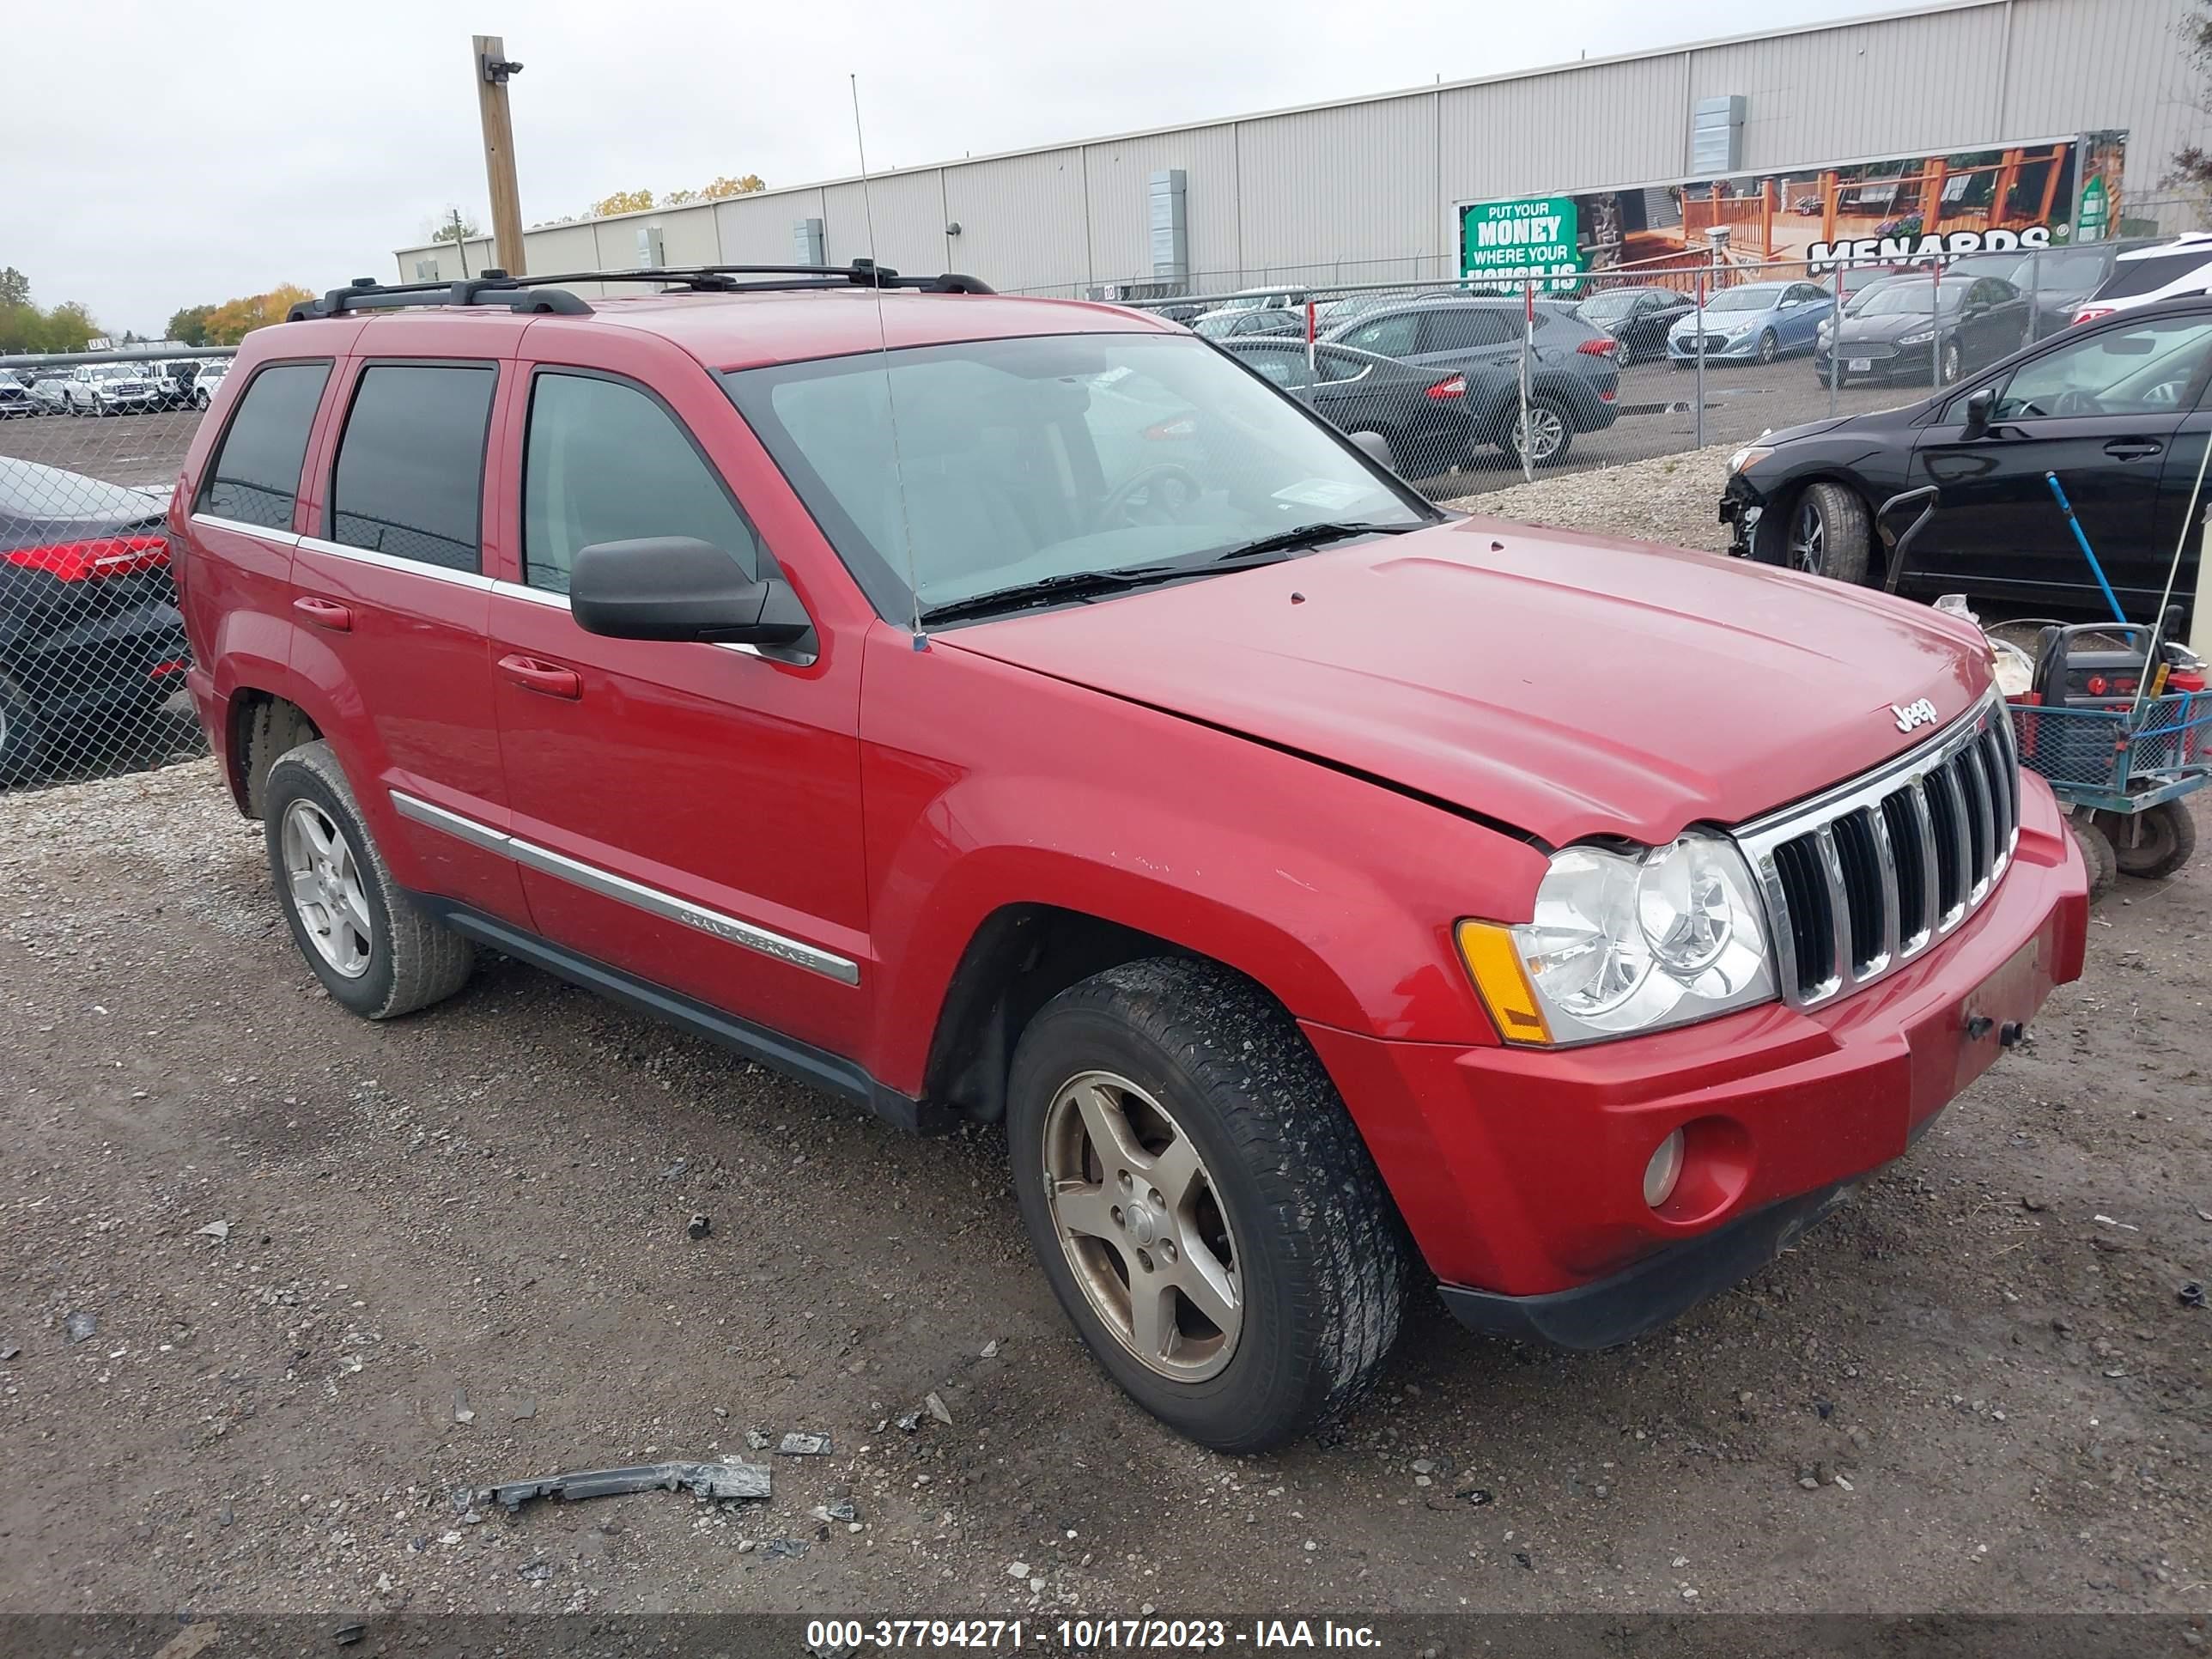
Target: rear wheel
1830	534
374	950
2096	853
1544	432
22	735
1208	1217
2152	844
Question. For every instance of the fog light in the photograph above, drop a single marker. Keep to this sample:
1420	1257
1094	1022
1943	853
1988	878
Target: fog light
1664	1170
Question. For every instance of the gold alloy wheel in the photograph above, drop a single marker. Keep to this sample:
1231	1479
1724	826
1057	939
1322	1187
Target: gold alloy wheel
1142	1226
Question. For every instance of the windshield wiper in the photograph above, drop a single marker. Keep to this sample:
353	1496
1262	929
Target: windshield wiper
1088	584
1069	585
1310	535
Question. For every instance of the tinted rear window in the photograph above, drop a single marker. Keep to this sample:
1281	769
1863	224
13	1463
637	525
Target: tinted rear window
255	478
410	477
2132	277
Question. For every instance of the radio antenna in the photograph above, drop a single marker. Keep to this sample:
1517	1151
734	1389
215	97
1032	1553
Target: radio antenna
883	348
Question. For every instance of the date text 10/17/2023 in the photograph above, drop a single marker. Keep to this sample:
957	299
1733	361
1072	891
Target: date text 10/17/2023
832	1638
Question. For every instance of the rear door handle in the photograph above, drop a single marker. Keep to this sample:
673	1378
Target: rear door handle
2133	449
326	613
548	679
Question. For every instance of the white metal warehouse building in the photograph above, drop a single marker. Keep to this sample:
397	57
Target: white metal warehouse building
1371	189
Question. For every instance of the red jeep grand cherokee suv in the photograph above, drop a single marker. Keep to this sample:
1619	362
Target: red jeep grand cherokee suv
1017	710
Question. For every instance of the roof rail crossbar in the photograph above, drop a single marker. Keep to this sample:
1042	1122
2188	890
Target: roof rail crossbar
496	288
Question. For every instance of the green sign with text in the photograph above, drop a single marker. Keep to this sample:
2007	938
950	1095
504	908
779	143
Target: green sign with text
1511	242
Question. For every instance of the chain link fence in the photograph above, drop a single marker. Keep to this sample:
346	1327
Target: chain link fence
91	646
1474	386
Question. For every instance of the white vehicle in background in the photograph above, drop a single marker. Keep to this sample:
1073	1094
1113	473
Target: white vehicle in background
112	389
50	391
205	383
2144	276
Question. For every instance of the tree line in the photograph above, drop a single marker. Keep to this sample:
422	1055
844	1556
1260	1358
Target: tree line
24	327
233	319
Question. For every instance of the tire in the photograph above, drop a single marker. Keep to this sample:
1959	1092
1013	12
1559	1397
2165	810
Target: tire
2159	841
1551	422
1316	1260
199	400
1769	348
1829	533
2097	853
406	960
1952	364
22	735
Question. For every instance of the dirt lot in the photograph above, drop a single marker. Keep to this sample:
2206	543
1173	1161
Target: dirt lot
1979	1387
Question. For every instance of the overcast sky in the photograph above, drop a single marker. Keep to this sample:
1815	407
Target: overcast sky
160	154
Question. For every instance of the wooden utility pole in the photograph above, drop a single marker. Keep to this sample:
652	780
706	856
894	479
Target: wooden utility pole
494	70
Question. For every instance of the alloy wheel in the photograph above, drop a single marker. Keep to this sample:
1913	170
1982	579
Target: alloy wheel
326	889
1539	433
1952	362
1769	347
1142	1225
1808	536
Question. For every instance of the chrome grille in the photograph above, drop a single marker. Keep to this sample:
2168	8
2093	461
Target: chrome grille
1865	877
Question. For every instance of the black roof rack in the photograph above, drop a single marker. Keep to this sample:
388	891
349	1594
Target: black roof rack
536	293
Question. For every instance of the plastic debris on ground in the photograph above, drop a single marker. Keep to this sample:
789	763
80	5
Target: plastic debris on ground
731	1479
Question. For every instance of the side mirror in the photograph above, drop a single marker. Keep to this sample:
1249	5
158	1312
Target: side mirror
1377	448
1976	412
676	587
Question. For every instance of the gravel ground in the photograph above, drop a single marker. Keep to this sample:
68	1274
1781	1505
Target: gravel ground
294	1245
1670	498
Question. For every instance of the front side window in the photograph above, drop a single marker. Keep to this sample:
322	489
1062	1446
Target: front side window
255	476
607	462
944	473
2144	369
410	475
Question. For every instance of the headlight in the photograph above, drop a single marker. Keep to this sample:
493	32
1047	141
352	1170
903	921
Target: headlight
1749	455
1625	942
1920	338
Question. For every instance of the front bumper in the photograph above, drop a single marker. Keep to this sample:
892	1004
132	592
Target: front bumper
1520	1170
1884	362
1741	351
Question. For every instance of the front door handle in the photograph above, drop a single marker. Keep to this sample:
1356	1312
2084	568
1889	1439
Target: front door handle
326	613
2133	449
548	679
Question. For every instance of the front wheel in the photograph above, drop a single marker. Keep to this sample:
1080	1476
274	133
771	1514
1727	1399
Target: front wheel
1953	363
1769	348
2152	844
1208	1216
1830	534
375	952
199	400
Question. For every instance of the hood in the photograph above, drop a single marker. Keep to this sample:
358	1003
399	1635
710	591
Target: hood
1888	326
1564	685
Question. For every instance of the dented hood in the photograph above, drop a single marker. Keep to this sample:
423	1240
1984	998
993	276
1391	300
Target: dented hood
1562	684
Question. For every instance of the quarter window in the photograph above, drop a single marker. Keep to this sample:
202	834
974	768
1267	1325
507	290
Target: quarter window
605	462
410	477
255	478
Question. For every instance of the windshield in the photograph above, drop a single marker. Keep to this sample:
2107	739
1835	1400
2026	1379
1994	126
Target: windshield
1909	298
1028	460
1616	303
1745	299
